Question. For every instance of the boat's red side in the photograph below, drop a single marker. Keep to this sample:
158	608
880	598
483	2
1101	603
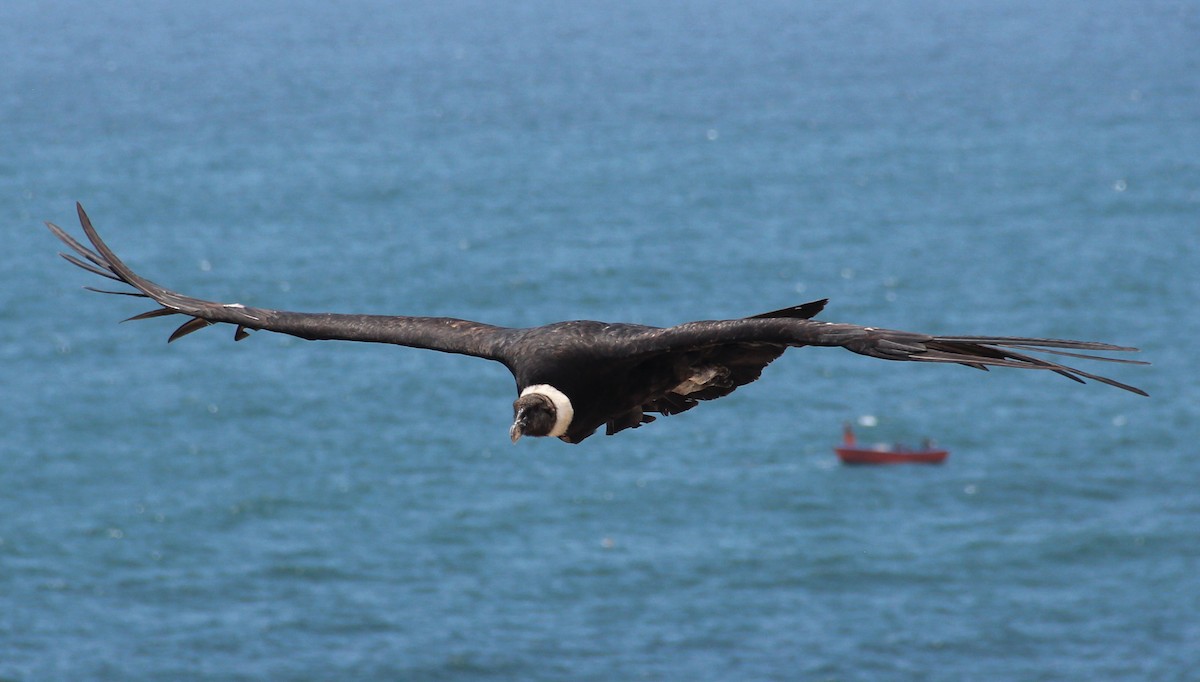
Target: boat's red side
870	456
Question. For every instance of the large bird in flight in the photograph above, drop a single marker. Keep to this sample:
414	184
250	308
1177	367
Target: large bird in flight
574	377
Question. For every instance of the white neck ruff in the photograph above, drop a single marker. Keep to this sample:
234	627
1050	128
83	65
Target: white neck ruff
563	412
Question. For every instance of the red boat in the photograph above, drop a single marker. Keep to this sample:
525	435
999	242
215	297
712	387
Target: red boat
852	453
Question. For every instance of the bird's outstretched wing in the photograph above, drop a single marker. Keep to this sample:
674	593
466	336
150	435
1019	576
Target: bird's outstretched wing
979	352
435	333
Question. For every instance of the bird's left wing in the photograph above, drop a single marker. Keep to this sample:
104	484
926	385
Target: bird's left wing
980	352
435	333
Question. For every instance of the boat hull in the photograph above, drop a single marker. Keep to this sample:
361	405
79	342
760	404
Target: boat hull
872	456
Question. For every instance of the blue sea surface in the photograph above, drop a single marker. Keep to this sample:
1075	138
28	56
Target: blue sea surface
284	510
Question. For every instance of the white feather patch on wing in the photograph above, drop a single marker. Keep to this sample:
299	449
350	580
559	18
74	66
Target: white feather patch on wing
698	381
563	412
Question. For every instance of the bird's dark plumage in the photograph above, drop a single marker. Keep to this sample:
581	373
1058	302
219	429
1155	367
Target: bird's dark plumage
574	377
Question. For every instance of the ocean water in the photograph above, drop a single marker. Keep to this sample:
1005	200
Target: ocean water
283	510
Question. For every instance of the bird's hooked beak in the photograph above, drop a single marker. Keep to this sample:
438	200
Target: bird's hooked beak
517	429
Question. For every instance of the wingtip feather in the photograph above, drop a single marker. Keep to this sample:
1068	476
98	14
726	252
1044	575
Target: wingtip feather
194	324
157	312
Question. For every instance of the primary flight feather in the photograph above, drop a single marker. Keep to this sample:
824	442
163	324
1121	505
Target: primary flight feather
574	377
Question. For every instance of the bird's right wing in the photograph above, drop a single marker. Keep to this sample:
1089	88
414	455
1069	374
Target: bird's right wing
435	333
980	352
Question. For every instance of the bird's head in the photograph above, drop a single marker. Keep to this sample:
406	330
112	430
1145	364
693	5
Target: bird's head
542	410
